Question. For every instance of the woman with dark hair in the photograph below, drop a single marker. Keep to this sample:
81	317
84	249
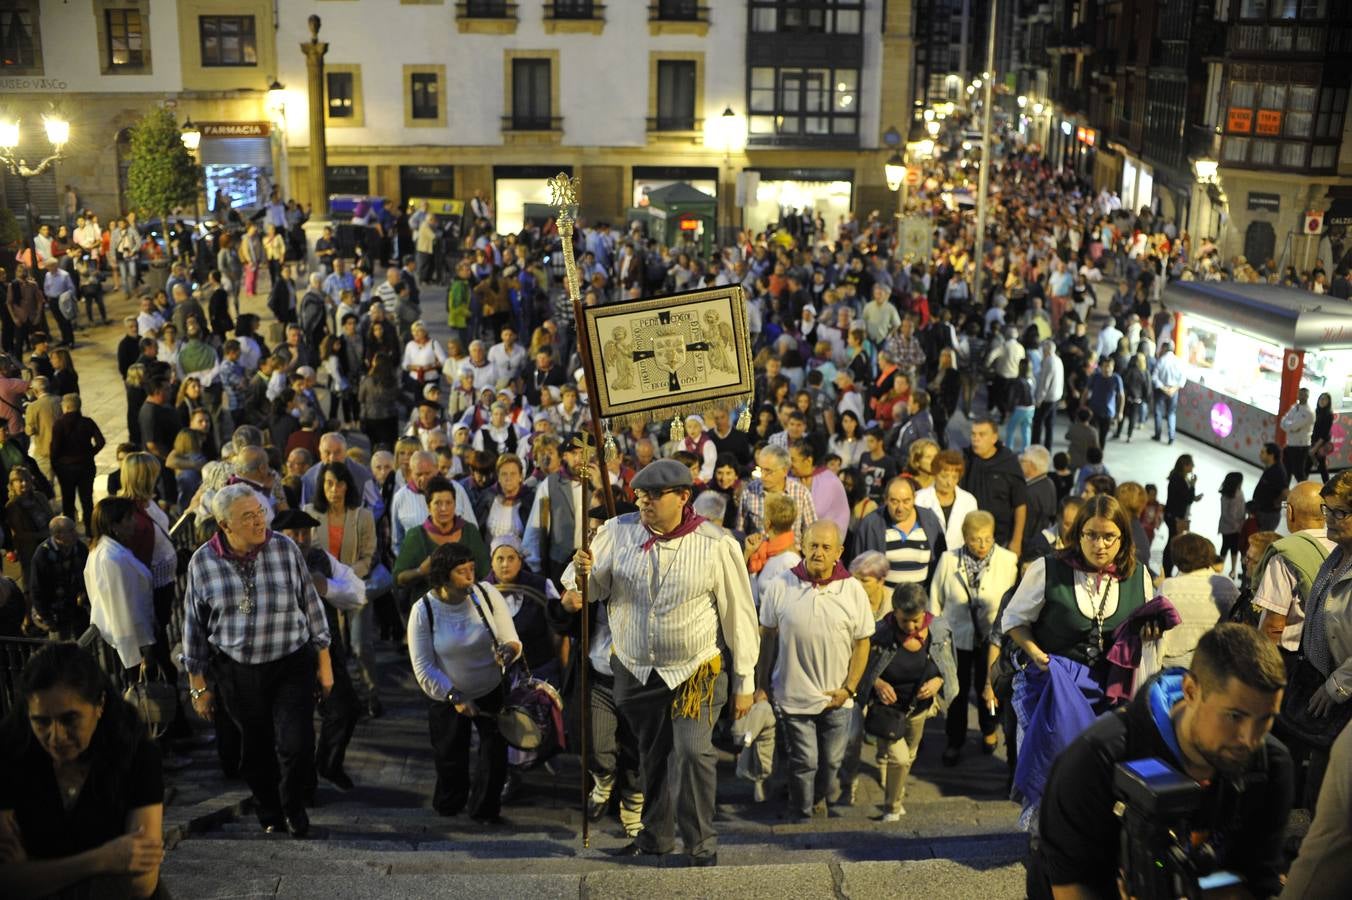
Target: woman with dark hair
1182	493
64	378
528	610
28	514
1069	603
460	640
766	424
727	481
81	803
348	533
442	526
1321	438
119	586
378	398
848	441
281	424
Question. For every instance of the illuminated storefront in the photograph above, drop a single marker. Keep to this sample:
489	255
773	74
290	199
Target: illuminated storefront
1246	350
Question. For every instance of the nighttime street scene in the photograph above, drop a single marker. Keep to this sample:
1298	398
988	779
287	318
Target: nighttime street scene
719	449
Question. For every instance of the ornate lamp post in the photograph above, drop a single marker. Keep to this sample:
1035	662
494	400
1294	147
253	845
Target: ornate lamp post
58	133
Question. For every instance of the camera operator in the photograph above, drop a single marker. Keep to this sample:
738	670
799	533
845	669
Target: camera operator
1210	722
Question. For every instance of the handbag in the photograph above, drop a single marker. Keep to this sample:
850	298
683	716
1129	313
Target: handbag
155	699
379	582
887	722
1294	714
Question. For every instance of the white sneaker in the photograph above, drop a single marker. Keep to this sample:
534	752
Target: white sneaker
894	816
758	791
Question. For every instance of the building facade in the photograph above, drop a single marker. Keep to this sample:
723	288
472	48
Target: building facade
768	105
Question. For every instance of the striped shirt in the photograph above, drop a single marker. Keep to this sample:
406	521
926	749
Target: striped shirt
677	605
253	611
908	554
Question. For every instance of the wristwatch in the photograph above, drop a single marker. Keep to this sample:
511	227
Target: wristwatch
849	690
194	693
453	698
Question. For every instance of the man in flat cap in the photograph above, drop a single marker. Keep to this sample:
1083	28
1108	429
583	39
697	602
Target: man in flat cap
684	626
342	591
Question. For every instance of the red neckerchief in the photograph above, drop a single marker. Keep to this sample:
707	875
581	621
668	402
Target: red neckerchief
222	547
235	479
697	447
1072	558
840	573
689	522
430	527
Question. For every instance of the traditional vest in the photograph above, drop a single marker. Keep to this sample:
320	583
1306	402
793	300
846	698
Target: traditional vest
1062	629
1304	553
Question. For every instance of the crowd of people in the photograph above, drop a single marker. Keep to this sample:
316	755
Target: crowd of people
920	519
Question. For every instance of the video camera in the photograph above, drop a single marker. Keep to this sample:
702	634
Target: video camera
1160	860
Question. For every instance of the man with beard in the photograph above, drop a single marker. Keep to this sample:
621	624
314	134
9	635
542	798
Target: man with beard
1209	722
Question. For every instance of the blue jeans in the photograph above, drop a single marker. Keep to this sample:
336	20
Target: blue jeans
1019	428
815	745
1167	407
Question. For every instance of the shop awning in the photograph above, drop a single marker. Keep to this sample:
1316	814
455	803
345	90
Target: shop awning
1285	316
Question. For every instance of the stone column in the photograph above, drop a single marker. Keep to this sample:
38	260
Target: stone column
314	51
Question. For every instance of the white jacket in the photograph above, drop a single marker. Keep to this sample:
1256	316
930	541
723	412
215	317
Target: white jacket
1051	380
963	503
121	604
1298	423
950	597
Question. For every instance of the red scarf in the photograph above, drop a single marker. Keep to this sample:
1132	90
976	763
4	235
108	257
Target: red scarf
1072	558
223	549
689	522
773	545
697	447
430	527
840	573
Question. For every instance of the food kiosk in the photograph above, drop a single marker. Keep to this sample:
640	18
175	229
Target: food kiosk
1247	349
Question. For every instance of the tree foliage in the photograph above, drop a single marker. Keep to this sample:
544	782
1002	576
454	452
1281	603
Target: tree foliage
9	228
162	175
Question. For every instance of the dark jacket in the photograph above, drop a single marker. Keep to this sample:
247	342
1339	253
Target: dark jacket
872	534
483	504
1078	834
883	647
76	440
282	301
218	311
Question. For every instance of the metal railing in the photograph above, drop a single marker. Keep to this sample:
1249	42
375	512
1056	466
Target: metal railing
574	10
1277	39
677	11
14	654
532	123
674	123
485	9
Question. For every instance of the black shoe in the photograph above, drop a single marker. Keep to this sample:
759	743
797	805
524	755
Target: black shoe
272	824
490	820
298	823
374	708
631	850
703	862
338	778
951	756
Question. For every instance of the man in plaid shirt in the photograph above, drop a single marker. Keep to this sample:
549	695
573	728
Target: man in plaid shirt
904	348
254	620
773	463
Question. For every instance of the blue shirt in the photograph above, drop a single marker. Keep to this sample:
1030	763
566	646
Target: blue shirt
1103	394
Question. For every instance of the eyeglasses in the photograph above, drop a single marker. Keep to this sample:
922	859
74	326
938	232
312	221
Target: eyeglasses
1334	513
1095	537
642	496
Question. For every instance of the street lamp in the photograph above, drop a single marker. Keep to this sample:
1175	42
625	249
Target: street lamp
191	136
1023	101
58	134
932	128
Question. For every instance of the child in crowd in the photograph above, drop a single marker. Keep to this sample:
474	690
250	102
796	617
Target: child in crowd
1232	520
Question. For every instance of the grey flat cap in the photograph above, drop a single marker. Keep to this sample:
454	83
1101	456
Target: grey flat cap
662	474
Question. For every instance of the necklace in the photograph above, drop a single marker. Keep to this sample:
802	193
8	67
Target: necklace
1094	651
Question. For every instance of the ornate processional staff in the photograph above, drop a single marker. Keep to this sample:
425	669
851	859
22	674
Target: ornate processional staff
564	191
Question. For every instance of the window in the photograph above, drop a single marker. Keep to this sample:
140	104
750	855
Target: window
570	9
1236	149
124	38
485	9
677	10
811	16
18	46
1253	9
1300	112
1242	93
227	41
1324	157
426	99
675	95
1332	103
1293	155
339	88
1264	153
803	102
531	109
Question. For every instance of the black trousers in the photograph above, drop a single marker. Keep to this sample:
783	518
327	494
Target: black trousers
272	704
66	326
1044	420
450	752
76	481
614	750
338	712
1296	461
971	672
677	760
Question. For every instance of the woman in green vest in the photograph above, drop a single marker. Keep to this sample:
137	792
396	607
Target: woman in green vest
443	526
457	303
1069	602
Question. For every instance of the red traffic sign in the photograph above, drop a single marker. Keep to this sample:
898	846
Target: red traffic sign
912	176
1314	222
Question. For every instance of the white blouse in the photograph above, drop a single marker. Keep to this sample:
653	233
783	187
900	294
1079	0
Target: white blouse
1025	607
455	651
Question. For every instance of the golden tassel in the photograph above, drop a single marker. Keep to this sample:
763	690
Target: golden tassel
697	690
744	420
677	429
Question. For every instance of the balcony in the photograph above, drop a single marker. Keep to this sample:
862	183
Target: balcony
1263	40
678	17
574	17
675	126
532	123
485	17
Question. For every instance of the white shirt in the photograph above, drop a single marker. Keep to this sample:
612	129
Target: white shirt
817	629
1025	607
1277	592
454	652
485	376
531	540
120	599
774	567
509	362
964	502
1051	380
424	355
147	322
1298	423
675	606
951	595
